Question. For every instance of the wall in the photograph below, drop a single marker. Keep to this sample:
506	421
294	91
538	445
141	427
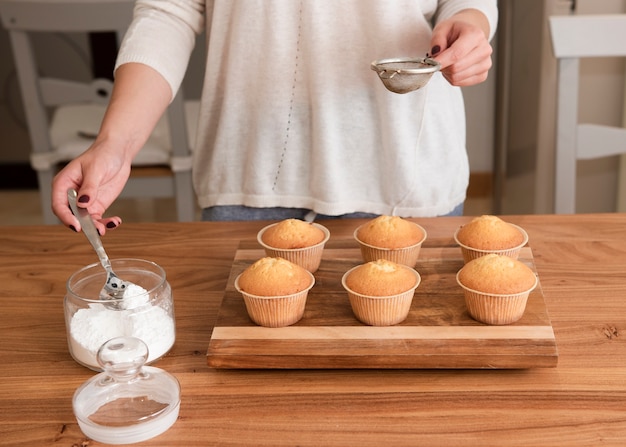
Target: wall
480	109
528	118
600	102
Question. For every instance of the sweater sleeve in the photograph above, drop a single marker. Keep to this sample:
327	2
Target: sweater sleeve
162	35
447	8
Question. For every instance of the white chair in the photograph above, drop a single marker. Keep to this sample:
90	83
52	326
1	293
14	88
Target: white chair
573	38
63	115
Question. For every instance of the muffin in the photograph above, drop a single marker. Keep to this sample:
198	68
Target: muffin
490	234
274	291
381	291
496	288
295	240
392	238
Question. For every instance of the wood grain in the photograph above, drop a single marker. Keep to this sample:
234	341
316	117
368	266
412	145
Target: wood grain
437	333
580	260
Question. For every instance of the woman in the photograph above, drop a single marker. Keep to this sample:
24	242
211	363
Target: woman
292	119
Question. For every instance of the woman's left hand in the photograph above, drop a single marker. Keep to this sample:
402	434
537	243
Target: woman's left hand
460	44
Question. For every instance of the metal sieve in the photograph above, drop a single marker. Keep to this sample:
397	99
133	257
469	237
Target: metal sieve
403	75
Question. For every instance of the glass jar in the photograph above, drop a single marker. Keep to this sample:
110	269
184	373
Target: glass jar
145	312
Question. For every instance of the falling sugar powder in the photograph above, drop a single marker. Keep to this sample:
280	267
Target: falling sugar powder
91	327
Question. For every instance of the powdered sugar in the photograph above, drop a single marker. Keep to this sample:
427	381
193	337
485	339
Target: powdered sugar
92	326
134	296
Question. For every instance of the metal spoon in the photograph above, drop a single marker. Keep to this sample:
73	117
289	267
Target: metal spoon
114	286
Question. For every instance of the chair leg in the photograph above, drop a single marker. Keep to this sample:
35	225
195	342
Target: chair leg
185	197
45	196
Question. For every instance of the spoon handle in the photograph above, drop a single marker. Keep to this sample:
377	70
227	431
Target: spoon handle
89	229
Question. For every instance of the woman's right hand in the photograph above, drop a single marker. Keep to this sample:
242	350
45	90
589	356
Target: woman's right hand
98	176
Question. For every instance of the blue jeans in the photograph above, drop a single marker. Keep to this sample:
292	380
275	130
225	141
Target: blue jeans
240	212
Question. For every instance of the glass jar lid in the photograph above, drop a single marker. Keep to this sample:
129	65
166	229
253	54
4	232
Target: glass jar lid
128	402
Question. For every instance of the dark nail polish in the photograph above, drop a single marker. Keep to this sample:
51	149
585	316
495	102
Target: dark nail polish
111	225
436	49
83	199
73	228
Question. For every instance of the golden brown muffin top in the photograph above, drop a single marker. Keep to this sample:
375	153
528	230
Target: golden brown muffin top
274	277
390	232
497	274
292	233
489	233
380	278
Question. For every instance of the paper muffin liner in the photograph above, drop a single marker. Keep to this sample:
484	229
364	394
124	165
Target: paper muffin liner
495	309
470	253
307	257
380	310
275	311
406	255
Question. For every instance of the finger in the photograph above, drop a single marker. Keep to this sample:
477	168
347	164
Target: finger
88	198
103	224
464	75
457	53
87	194
110	223
467	78
60	204
468	81
462	43
478	57
439	42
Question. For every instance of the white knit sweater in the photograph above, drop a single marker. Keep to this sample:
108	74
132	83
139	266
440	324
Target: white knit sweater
292	115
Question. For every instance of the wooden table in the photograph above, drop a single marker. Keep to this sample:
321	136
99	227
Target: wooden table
580	259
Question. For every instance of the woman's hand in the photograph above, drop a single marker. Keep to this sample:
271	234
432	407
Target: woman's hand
460	44
98	176
139	98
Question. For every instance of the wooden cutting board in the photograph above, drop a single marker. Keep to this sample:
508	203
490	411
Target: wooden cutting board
438	333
